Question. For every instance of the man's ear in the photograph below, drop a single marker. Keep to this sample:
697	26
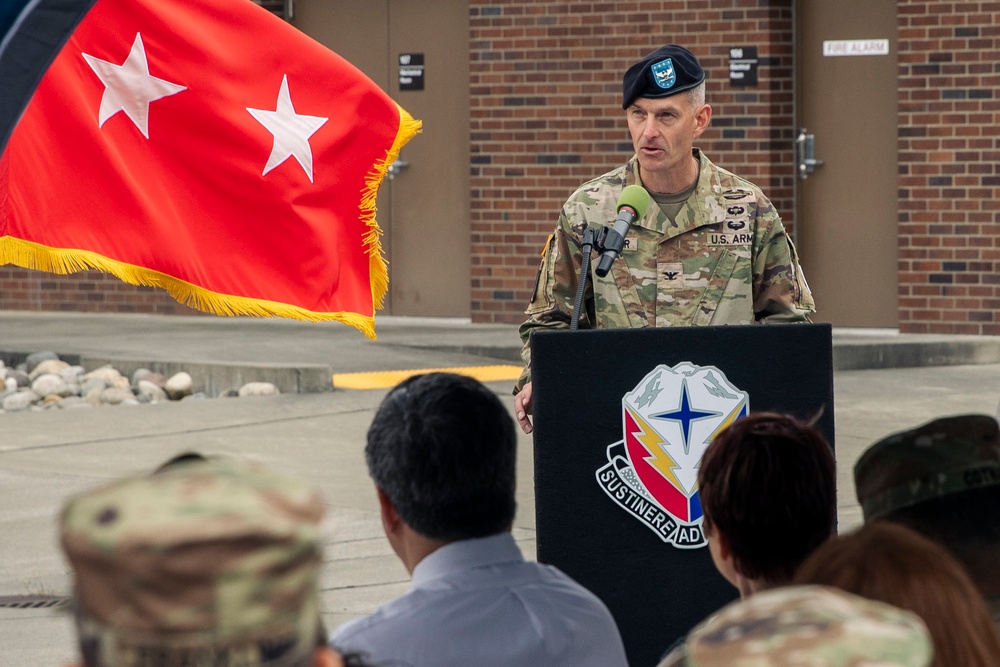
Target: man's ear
702	118
391	521
326	657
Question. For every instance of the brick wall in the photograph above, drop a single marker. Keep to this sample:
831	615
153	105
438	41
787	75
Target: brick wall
545	86
86	292
949	184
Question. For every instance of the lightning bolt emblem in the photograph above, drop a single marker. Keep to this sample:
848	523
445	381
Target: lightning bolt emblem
658	458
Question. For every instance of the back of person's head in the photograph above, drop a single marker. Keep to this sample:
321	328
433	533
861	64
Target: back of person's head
442	448
941	479
203	562
768	486
792	626
893	564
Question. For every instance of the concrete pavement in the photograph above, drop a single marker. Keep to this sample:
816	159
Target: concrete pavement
319	436
220	348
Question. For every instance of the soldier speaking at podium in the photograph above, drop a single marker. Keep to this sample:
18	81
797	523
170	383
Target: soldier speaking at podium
709	250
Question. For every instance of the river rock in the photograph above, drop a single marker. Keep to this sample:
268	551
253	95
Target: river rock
116	396
152	391
50	384
258	389
72	374
20	377
93	397
47	366
38	357
93	384
51	401
178	386
106	373
21	400
45	382
145	374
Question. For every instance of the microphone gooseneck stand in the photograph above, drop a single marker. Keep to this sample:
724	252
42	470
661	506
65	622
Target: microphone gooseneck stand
593	237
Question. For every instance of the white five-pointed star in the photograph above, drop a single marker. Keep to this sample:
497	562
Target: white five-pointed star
129	87
291	132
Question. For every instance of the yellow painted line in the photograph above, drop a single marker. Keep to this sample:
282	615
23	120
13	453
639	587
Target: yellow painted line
386	379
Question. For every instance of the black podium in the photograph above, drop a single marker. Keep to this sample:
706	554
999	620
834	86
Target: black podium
621	419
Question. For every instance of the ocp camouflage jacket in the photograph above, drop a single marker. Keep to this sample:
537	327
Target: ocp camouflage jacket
725	259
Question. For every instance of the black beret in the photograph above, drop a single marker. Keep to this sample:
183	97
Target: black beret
669	70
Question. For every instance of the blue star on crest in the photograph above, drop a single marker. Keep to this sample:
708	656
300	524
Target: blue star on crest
685	414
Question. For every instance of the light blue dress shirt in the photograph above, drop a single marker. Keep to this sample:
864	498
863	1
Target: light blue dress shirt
478	602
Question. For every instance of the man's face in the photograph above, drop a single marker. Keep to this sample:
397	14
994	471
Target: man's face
663	132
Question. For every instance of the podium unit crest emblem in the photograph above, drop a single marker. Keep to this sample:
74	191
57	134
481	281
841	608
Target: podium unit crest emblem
668	420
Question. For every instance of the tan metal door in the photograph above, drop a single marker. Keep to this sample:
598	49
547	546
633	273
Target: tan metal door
846	220
423	210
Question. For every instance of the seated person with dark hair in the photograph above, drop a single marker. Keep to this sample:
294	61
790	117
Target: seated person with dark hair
768	490
942	479
441	451
768	487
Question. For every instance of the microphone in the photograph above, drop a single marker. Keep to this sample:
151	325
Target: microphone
632	205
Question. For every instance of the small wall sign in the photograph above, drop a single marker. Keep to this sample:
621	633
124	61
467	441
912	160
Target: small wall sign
411	71
856	47
743	66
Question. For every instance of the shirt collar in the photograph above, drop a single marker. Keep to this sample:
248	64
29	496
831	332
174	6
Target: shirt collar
467	555
707	190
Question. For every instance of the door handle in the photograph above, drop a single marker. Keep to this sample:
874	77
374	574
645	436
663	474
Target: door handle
396	168
805	158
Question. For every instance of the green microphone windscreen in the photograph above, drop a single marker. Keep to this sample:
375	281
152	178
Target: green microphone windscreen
636	198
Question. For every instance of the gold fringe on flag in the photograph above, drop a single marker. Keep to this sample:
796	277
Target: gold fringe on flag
408	128
37	257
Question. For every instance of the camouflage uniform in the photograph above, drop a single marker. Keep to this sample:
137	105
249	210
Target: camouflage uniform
950	458
940	458
816	626
201	563
725	259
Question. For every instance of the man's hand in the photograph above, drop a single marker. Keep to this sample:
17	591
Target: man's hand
522	407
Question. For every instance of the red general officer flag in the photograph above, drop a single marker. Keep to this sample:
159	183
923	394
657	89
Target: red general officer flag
211	149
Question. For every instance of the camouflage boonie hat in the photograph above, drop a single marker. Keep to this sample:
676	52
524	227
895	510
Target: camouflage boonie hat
211	562
937	459
809	625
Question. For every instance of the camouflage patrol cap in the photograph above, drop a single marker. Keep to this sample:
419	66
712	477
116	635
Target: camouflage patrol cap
668	70
809	625
940	458
203	562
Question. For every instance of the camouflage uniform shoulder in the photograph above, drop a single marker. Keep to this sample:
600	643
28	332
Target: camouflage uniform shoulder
727	180
815	625
618	178
596	199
